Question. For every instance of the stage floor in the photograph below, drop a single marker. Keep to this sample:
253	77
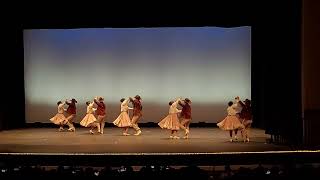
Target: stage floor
152	140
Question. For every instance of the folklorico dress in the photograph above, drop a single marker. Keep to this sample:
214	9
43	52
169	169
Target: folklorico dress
123	119
89	119
231	122
59	118
171	121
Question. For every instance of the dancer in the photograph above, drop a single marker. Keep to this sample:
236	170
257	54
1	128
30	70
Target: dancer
71	111
137	114
246	120
59	118
123	119
185	114
171	121
89	120
231	122
101	112
238	106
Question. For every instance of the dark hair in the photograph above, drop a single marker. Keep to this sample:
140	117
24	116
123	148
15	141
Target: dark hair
122	99
170	103
87	103
247	102
59	102
187	100
137	97
230	103
74	101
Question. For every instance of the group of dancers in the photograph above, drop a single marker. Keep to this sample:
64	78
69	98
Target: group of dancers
97	107
239	116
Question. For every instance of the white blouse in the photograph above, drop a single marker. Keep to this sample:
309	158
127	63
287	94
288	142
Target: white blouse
90	109
237	106
231	111
173	108
124	106
60	108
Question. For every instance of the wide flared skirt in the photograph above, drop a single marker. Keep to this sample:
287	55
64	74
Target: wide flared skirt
123	120
170	122
230	123
88	120
58	119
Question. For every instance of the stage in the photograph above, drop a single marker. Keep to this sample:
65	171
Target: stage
152	140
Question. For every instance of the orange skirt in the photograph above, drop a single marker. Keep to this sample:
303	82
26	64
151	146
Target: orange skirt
58	119
230	123
88	120
170	122
123	120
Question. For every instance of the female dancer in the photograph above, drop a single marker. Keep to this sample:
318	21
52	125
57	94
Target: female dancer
123	119
231	122
59	118
171	121
89	120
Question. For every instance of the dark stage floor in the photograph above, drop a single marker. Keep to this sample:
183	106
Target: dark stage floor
152	140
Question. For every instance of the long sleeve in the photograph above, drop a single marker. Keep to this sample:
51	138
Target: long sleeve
175	104
91	105
237	107
125	102
182	105
231	111
97	103
173	108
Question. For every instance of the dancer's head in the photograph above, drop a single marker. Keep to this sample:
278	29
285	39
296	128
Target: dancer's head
87	103
122	99
73	100
59	102
137	97
187	100
100	99
170	103
247	102
237	98
230	103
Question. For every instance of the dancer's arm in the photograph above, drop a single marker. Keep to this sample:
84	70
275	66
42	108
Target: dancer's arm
181	104
91	104
176	103
67	102
126	101
97	102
